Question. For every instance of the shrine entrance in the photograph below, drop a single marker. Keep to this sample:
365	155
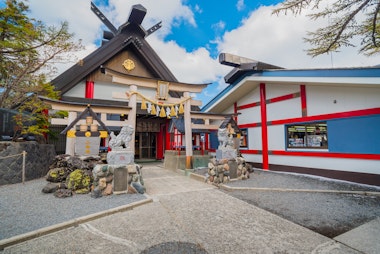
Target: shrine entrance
145	145
149	137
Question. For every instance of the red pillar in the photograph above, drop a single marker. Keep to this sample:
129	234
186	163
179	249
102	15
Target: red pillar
160	142
303	100
206	142
168	144
264	126
89	89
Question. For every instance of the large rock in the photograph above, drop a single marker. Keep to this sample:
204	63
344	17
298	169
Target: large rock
57	175
79	181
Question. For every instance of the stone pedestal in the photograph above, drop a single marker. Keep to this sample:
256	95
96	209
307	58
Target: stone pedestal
120	157
120	160
226	154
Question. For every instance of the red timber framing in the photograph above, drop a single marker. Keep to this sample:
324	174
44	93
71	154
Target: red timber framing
90	86
264	127
305	118
161	142
303	100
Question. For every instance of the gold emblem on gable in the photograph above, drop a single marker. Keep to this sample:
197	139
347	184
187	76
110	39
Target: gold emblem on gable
129	64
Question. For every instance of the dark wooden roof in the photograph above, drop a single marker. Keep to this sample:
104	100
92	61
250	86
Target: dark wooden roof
129	35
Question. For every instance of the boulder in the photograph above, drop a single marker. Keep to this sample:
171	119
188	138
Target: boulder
63	193
108	190
50	188
79	181
56	175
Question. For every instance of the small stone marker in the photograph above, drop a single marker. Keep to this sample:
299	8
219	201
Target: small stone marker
120	180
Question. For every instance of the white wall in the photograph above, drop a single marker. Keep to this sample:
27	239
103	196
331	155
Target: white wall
251	96
249	115
77	91
276	90
320	99
284	109
351	165
276	137
254	138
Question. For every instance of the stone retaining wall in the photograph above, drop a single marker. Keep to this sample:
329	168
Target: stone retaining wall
177	160
37	161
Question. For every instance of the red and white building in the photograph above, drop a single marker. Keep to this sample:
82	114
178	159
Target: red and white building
316	121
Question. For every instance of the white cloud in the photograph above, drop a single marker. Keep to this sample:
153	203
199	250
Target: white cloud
82	21
278	40
198	9
191	67
170	12
262	36
240	5
219	26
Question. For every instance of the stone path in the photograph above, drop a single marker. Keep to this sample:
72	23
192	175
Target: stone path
185	216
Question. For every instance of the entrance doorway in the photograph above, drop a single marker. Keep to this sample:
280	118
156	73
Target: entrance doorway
145	145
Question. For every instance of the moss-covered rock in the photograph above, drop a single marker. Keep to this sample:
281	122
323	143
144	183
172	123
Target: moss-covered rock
79	181
57	175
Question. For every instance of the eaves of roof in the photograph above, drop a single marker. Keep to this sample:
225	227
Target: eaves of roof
302	75
85	102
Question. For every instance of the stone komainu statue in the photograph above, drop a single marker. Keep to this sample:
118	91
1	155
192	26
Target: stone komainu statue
225	139
122	140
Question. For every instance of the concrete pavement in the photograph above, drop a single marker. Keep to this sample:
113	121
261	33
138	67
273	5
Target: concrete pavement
186	215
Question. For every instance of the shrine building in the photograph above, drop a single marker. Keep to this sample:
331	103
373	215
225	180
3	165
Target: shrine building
321	122
125	82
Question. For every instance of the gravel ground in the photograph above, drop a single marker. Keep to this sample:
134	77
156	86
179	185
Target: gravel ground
24	208
325	213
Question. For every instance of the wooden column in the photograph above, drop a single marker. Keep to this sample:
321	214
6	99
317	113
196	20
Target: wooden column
70	141
132	115
188	131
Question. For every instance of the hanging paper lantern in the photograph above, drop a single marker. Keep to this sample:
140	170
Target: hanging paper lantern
143	104
153	112
181	110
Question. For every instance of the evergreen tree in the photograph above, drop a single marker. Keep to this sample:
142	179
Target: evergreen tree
27	51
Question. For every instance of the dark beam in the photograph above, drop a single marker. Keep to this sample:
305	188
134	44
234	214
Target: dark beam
137	14
103	18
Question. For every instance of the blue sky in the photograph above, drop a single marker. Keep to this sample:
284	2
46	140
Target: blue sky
213	19
195	32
